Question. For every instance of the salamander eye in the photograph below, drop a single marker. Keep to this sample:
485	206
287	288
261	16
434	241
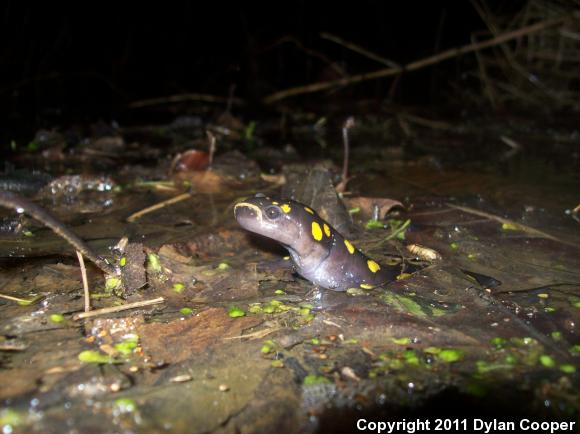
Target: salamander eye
272	212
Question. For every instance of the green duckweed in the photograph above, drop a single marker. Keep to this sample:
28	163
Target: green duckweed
235	312
153	264
450	355
127	345
112	283
315	379
411	357
401	341
267	347
178	287
498	342
374	224
91	356
255	308
547	361
56	318
510	227
125	405
9	419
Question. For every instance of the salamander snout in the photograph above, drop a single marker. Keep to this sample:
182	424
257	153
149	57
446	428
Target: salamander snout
244	211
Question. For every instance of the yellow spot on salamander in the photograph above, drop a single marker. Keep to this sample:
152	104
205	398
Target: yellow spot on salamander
275	203
366	286
373	266
286	208
308	210
349	246
316	231
326	229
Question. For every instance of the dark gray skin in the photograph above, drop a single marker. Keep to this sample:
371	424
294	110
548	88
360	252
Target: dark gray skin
319	253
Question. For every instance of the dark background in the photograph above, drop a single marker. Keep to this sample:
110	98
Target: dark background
89	60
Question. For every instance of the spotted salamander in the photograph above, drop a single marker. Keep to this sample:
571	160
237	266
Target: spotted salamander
319	253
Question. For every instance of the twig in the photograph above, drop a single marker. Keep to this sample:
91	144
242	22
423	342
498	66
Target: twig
429	123
184	97
157	206
485	15
358	49
18	299
515	147
487	86
121	308
502	220
312	53
255	335
9	200
85	281
212	140
575	213
348	124
399	230
231	98
418	64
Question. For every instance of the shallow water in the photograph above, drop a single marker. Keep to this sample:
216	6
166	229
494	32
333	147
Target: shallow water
242	344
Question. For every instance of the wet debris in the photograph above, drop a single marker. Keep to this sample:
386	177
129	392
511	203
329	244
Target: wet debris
177	340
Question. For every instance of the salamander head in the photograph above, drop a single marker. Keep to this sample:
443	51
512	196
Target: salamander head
279	220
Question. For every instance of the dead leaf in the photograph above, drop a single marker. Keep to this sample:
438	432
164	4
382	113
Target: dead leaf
181	339
367	205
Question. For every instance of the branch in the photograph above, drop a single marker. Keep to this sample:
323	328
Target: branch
418	64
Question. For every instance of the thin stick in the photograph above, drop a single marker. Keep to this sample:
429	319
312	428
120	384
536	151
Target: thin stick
487	86
502	220
16	299
312	53
348	124
399	230
439	125
212	141
358	49
418	64
230	101
85	281
575	213
184	97
255	335
157	206
10	200
121	308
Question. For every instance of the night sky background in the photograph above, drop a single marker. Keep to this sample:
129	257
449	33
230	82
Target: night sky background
87	61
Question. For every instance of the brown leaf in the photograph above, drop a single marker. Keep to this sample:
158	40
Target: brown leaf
368	204
182	339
